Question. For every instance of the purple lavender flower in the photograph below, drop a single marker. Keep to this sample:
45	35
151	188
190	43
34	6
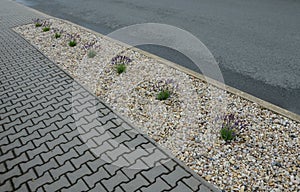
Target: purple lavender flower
120	59
38	22
165	85
90	45
56	30
73	37
46	24
230	126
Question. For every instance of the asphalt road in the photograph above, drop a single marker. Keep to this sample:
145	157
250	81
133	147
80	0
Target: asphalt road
257	42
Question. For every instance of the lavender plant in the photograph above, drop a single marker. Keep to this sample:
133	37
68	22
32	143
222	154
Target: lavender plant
163	95
121	68
229	127
88	46
120	61
46	26
57	32
45	29
37	22
72	43
165	88
57	35
73	39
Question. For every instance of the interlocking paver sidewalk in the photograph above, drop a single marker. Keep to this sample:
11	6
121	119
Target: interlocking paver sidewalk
56	136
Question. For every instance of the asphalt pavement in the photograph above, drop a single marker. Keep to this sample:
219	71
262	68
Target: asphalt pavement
256	43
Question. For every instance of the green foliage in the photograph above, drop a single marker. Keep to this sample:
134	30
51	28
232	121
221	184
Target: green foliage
57	35
37	22
91	54
163	95
46	29
121	68
227	134
72	43
38	25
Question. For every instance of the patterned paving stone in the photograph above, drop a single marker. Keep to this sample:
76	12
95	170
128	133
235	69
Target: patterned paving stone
56	136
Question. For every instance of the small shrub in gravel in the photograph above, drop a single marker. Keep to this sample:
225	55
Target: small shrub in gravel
227	134
38	25
120	61
90	48
121	68
72	43
91	54
46	26
57	32
46	29
229	127
165	89
73	39
57	35
163	95
37	22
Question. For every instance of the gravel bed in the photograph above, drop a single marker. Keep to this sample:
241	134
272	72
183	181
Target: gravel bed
265	154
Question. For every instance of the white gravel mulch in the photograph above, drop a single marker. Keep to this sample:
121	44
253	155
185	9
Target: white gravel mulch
265	154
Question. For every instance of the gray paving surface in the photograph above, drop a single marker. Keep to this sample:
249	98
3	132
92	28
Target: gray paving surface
56	136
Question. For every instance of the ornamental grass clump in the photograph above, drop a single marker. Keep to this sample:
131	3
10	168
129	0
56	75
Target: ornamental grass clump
90	49
120	62
91	53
